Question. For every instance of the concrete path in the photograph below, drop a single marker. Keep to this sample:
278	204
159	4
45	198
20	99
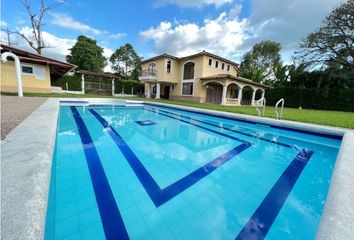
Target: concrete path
15	109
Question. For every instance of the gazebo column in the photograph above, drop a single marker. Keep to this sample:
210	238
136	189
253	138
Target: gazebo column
239	96
157	91
223	98
263	92
148	91
83	83
113	88
253	97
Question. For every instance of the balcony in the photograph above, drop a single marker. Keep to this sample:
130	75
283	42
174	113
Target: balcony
148	75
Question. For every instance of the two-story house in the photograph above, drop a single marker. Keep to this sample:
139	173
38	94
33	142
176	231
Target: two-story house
202	77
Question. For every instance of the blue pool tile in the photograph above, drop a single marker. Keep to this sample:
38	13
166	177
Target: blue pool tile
66	227
66	210
125	201
200	229
86	203
145	206
137	229
153	219
88	218
131	214
176	224
162	232
94	232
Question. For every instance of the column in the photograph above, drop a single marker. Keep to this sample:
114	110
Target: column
113	87
253	98
157	91
83	83
239	96
223	98
148	90
263	92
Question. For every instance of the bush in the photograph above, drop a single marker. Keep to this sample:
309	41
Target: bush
74	82
138	87
338	100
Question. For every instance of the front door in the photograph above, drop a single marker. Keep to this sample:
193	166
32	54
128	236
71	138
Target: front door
213	93
166	92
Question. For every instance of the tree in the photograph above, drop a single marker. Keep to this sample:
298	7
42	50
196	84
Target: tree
126	62
333	42
87	55
260	61
35	40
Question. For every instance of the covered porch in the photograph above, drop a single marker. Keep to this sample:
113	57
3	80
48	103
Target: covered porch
158	89
230	90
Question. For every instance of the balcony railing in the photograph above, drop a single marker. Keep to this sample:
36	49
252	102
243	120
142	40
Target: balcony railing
148	72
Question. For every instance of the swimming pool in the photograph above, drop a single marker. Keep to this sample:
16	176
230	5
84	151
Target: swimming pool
152	172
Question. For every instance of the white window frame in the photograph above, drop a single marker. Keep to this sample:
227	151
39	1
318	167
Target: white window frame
24	73
228	67
187	80
173	87
216	62
223	66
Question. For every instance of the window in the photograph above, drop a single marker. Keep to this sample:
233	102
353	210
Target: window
152	69
228	68
216	64
172	87
210	63
187	89
188	70
168	66
27	69
223	66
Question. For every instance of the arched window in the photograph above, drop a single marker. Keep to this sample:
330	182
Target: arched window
188	71
152	69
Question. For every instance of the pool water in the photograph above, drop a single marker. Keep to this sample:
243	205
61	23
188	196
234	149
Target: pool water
154	172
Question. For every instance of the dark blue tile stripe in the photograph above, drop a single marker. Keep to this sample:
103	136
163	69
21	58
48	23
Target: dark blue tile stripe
197	125
327	135
226	128
262	219
185	182
111	218
160	196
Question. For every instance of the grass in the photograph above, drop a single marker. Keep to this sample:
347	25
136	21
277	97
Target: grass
331	118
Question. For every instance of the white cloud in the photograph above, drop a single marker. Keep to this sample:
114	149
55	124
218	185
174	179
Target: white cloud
116	36
3	23
221	36
66	21
286	22
192	3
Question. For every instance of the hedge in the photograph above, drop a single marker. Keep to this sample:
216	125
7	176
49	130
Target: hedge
338	100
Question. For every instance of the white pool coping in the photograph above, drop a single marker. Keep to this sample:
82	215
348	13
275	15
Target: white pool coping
27	157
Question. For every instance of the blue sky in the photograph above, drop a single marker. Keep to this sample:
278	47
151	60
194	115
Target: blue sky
178	27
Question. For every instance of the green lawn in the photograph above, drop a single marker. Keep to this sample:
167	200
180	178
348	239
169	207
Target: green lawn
331	118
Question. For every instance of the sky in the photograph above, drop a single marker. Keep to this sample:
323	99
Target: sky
227	28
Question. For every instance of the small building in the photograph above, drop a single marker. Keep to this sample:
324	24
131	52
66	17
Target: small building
37	71
203	77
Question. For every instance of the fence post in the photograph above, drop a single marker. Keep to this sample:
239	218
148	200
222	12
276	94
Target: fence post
113	87
132	91
83	83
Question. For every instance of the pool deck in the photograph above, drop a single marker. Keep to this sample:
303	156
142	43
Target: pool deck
26	165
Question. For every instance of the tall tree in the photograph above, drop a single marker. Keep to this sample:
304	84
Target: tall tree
87	55
35	39
260	61
333	42
126	62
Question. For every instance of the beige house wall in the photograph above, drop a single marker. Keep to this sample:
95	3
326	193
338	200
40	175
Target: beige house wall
30	82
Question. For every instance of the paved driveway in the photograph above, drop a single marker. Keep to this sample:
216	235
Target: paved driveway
15	109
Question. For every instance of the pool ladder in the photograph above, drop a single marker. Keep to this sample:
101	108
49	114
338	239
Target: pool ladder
278	115
261	102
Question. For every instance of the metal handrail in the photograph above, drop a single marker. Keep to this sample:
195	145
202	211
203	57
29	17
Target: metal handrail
278	116
263	102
